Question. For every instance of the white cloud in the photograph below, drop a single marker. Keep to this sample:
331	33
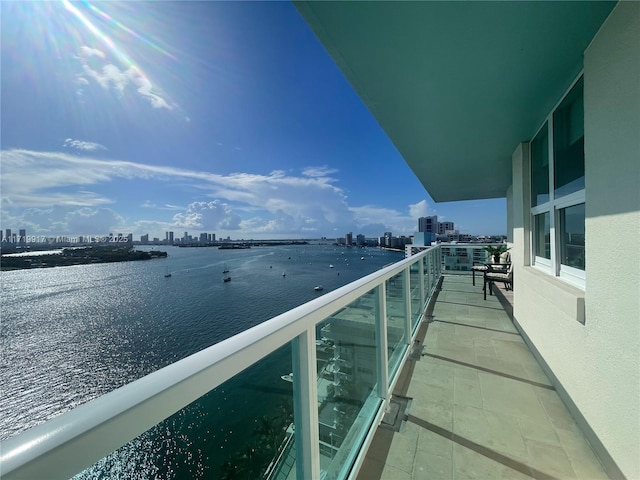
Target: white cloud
109	76
278	203
420	209
323	171
87	52
88	221
208	216
62	220
367	218
82	145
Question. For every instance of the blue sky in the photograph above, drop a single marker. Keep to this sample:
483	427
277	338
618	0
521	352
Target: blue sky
219	117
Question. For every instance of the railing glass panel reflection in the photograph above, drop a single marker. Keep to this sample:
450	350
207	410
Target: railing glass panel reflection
346	349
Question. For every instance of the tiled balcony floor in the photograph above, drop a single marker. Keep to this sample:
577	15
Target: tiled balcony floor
480	405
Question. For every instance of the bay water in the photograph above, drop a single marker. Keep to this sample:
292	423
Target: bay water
71	334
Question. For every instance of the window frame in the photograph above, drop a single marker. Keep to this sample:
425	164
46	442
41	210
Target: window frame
553	206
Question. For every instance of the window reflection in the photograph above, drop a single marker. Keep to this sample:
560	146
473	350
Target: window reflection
542	235
568	143
572	242
540	167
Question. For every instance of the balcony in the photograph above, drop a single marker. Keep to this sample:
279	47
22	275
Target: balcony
377	370
478	405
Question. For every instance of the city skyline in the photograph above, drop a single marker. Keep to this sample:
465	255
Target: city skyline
225	117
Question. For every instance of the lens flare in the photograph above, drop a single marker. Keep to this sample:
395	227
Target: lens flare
134	73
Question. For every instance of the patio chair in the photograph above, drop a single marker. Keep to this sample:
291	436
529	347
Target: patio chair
481	267
491	276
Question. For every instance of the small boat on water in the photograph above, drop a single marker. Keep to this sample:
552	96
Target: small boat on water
225	272
288	377
318	288
284	274
330	265
166	273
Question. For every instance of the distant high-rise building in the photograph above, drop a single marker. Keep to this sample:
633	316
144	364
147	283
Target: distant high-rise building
360	240
7	235
203	237
428	224
443	227
170	237
348	239
22	238
144	238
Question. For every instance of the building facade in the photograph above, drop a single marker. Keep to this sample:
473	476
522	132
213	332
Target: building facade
428	224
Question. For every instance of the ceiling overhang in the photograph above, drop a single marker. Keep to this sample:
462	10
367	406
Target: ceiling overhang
457	85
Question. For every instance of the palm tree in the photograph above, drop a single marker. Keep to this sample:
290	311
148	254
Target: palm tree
495	252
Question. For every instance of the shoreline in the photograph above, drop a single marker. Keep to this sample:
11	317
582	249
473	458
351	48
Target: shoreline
78	256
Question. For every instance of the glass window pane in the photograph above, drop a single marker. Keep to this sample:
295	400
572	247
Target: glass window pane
568	143
542	235
540	167
572	246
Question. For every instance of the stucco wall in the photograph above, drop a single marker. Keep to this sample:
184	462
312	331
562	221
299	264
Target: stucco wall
598	363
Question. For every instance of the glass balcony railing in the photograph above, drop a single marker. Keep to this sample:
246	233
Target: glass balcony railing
346	350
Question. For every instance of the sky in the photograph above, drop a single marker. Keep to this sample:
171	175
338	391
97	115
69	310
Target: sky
218	117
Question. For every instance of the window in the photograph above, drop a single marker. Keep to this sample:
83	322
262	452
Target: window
568	143
557	191
540	168
572	236
542	238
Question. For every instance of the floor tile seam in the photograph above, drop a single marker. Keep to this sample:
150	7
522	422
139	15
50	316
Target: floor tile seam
553	420
491	371
527	456
581	463
424	402
449	443
481	327
399	467
479	449
520	419
554	447
581	442
526	446
445	302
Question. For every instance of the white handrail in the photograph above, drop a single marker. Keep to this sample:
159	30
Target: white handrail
73	441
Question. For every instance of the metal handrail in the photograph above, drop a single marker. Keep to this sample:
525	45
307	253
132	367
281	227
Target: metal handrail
75	440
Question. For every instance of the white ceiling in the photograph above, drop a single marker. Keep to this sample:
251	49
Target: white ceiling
457	85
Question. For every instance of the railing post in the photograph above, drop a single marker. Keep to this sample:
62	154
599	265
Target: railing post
406	277
305	405
427	261
382	349
423	296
